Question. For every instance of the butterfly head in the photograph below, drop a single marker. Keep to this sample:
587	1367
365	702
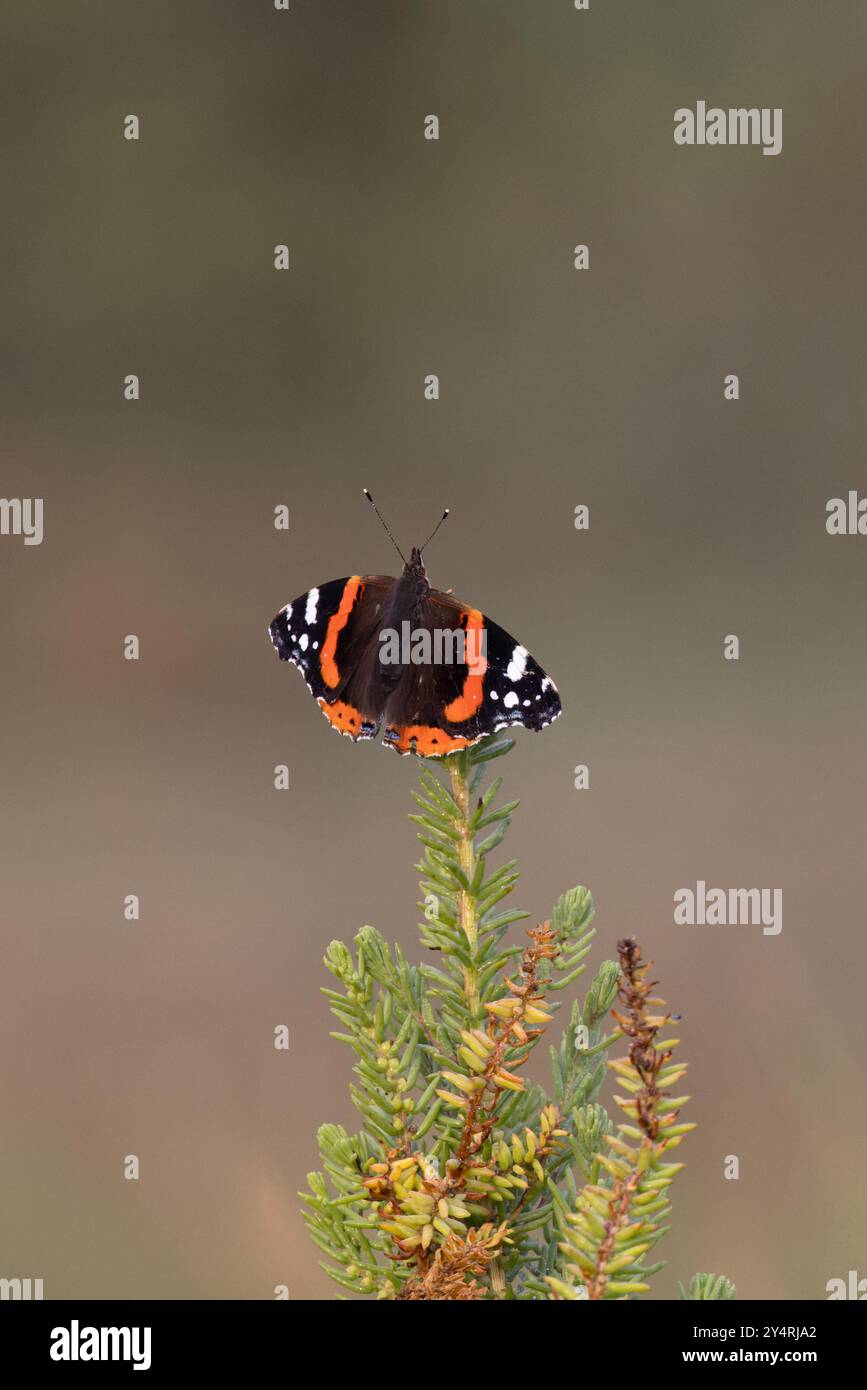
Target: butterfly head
415	564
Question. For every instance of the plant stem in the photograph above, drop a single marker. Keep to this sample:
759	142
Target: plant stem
466	901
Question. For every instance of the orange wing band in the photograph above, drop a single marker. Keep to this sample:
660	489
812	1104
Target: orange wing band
466	704
343	717
336	623
427	740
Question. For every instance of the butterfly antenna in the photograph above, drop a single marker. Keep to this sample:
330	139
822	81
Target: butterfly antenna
435	529
384	527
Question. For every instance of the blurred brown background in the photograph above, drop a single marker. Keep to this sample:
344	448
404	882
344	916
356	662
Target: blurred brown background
558	388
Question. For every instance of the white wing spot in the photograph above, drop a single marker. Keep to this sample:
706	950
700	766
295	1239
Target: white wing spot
510	700
310	610
518	665
302	641
494	695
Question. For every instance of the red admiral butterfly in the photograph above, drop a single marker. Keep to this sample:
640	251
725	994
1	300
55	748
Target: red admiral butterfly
367	647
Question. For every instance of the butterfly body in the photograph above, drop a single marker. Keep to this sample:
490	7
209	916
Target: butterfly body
439	675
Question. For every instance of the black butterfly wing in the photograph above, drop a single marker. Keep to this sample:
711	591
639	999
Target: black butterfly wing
329	634
443	706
